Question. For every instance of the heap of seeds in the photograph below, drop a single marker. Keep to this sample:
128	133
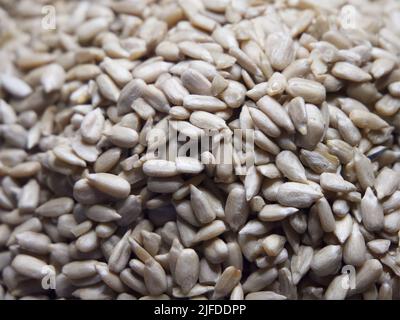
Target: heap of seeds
91	207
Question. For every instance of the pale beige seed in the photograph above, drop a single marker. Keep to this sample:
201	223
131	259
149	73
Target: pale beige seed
379	246
298	114
204	103
354	250
264	143
265	295
87	242
336	290
195	293
120	254
315	128
259	279
32	224
196	82
203	22
15	86
159	168
92	126
89	29
116	71
138	250
76	270
270	171
195	51
133	281
110	279
336	183
130	92
343	228
107	160
301	263
187	129
187	269
371	211
341	149
297	195
164	185
381	67
101	213
245	62
276	84
154	277
279	47
87	152
218	85
53	78
392	202
387	106
143	109
310	91
150	71
340	207
168	50
273	244
386	183
325	214
7	113
297	68
55	207
276	113
264	123
229	278
252	183
156	98
291	167
327	260
201	206
83	72
28	199
394	89
188	165
33	242
234	94
319	161
82	228
24	170
66	154
110	184
122	136
368	120
258	91
209	273
28	266
225	36
236	208
151	241
367	275
276	212
173	88
210	231
207	120
351	72
107	88
364	170
179	113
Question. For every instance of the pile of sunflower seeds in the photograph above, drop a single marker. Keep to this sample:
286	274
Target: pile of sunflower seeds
294	195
